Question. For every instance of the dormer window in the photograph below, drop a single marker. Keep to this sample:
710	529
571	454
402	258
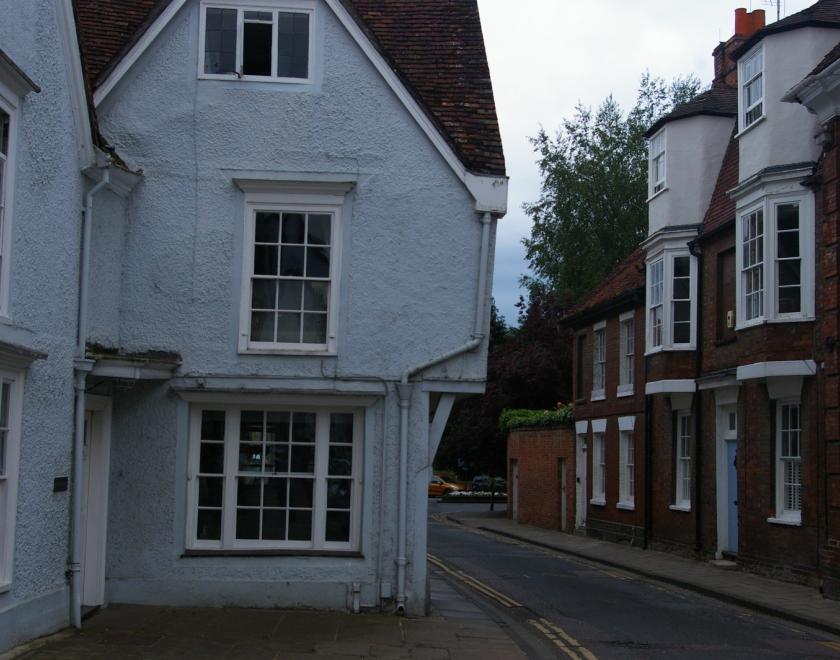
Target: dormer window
255	44
752	89
656	175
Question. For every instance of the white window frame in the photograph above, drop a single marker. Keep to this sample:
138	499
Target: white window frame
295	6
783	514
9	478
627	471
654	303
279	199
659	185
627	353
666	256
599	361
228	539
599	469
769	205
683	461
743	109
9	104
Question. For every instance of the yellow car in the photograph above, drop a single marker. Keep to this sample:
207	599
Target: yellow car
438	487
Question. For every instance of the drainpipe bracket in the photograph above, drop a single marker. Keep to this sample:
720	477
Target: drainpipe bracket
84	364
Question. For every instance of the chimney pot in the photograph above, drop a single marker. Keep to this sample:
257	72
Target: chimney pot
742	21
757	19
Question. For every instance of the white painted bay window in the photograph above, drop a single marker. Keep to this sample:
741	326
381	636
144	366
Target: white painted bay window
788	462
656	170
10	421
751	83
627	473
627	340
274	478
262	42
599	360
776	261
672	305
599	469
682	467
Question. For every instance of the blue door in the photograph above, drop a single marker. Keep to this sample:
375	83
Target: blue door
732	492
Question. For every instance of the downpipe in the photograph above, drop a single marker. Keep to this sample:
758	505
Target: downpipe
82	367
404	389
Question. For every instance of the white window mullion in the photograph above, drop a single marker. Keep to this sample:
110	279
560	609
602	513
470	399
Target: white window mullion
231	469
322	450
240	37
274	40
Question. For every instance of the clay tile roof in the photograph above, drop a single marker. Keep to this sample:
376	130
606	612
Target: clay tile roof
436	47
719	101
625	278
721	208
824	13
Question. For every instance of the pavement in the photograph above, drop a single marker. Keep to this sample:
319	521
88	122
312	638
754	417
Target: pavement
457	628
792	602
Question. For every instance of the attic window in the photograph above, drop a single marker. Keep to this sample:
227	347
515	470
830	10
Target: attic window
255	44
657	163
752	89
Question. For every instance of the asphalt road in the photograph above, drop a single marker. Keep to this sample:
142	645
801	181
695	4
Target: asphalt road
558	606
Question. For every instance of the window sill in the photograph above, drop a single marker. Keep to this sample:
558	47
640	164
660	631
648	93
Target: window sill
767	320
685	508
624	390
288	351
746	130
271	553
657	194
598	502
626	506
232	77
597	395
790	522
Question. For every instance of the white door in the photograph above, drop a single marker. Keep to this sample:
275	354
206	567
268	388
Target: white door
514	493
580	482
95	500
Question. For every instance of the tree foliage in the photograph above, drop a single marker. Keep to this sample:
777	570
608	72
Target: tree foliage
592	212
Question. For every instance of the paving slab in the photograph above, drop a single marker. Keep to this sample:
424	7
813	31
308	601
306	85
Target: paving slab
794	602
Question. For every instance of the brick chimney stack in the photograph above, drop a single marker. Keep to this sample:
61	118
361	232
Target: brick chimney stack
746	24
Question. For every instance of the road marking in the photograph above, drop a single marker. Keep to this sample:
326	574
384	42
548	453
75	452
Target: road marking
834	646
571	641
563	640
475	584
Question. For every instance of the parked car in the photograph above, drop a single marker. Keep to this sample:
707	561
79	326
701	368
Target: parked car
482	483
438	487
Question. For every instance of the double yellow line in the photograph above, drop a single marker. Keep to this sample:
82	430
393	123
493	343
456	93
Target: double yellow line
471	582
563	640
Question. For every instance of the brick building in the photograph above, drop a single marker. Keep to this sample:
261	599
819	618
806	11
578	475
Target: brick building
734	301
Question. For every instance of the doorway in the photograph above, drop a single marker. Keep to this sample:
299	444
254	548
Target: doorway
727	480
95	466
580	482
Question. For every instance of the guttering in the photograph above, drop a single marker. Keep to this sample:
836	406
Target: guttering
404	389
82	367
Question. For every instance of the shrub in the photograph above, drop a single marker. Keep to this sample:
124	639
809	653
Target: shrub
517	418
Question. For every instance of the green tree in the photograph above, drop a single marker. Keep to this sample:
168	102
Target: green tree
591	212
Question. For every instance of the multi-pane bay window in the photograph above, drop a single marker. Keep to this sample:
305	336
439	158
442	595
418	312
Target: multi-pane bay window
775	261
788	462
261	43
656	174
10	387
599	360
682	456
671	301
274	478
599	468
290	274
751	82
627	473
627	348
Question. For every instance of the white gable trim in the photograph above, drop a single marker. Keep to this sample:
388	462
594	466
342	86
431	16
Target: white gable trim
489	192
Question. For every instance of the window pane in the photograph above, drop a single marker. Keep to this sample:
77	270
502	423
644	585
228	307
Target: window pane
212	425
319	229
682	289
303	427
300	493
266	227
291	261
256	49
338	526
220	41
248	491
314	328
262	326
338	493
212	459
293	224
303	458
788	244
789	300
251	425
293	45
274	492
682	333
209	525
787	216
317	262
289	295
247	523
789	273
681	267
274	525
300	525
265	260
315	296
288	328
341	461
250	458
277	427
264	294
210	491
4	133
341	428
682	311
276	458
264	16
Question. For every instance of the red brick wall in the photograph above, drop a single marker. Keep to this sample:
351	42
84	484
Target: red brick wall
537	453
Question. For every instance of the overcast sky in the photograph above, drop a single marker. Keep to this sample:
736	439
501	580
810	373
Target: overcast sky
546	55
